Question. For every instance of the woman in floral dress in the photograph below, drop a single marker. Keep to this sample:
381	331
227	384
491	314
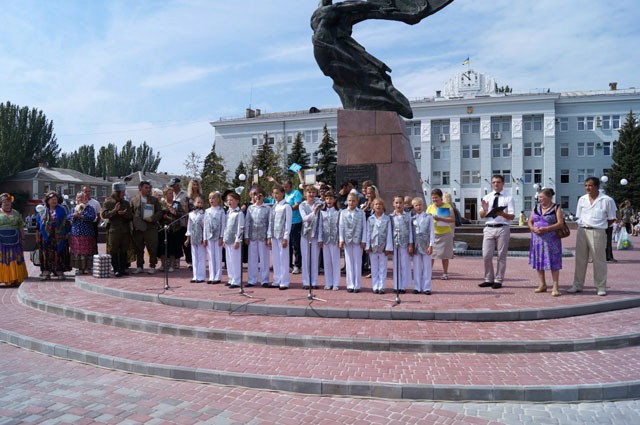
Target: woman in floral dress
51	238
83	237
545	251
13	270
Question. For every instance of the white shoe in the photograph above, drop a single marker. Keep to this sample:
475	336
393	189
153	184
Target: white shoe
295	270
171	270
151	271
602	292
336	288
573	290
137	270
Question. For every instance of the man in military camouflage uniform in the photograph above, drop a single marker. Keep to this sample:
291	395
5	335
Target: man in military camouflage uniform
118	211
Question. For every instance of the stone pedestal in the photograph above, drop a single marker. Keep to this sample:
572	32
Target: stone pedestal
374	145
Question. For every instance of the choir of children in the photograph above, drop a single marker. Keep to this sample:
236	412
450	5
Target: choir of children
405	234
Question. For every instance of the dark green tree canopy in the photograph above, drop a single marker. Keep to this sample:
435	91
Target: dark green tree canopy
214	175
625	164
298	153
26	139
265	159
327	158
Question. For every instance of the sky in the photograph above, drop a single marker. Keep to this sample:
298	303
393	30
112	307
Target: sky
160	71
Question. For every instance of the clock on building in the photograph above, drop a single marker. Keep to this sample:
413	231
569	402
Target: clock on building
469	80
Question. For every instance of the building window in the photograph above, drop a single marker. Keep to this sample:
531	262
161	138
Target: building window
436	178
532	123
255	141
506	175
289	139
585	123
537	149
440	127
615	122
446	179
470	126
496	150
537	176
416	153
528	148
564	176
564	124
583	173
528	176
94	192
564	149
466	177
564	202
470	176
586	149
103	191
72	190
475	176
441	152
471	151
501	124
527	203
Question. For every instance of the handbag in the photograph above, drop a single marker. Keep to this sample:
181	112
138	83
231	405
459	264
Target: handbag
564	231
35	257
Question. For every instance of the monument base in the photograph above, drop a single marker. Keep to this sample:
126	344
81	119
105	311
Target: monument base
373	145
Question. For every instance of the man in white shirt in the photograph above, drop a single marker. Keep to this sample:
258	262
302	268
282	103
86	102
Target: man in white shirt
498	208
596	211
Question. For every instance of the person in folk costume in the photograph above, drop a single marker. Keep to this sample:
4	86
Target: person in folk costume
402	245
13	269
215	220
278	238
423	238
83	237
328	242
379	245
311	224
51	237
255	237
196	241
118	211
233	237
353	235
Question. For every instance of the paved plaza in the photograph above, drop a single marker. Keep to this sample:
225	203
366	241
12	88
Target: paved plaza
126	351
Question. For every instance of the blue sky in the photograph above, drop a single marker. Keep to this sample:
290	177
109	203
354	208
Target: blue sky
161	71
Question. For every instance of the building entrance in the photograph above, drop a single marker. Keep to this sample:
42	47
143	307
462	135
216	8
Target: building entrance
471	209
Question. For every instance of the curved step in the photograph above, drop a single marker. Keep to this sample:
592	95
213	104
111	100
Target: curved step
602	331
587	375
265	303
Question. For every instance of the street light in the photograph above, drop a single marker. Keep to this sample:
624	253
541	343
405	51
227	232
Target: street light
624	182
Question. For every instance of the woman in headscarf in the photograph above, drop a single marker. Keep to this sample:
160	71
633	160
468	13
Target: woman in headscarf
51	238
83	236
13	270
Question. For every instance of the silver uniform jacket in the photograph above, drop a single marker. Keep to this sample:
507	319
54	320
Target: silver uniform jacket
214	222
310	221
423	232
195	227
379	234
352	226
401	225
257	222
234	231
280	221
330	219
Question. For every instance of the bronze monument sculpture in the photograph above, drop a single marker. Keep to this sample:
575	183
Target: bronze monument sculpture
361	80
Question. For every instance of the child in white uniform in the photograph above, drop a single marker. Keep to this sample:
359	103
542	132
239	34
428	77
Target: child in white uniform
379	245
255	236
353	235
424	238
215	220
402	245
233	233
278	238
195	237
328	242
311	224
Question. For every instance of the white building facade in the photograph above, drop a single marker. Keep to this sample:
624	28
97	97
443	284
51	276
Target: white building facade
464	136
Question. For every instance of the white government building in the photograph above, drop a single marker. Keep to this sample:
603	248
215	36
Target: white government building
468	132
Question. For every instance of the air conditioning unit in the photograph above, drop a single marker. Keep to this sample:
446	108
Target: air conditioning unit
418	155
599	145
509	146
497	135
598	121
443	137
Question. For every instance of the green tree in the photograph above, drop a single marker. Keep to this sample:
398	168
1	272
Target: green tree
214	175
26	139
266	160
327	156
146	160
625	164
503	89
193	166
107	161
298	153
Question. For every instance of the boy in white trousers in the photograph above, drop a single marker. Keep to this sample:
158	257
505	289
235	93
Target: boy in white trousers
195	237
255	236
311	223
402	245
233	235
278	238
423	238
379	245
215	220
328	242
353	235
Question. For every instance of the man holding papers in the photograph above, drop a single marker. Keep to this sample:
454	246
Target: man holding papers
498	208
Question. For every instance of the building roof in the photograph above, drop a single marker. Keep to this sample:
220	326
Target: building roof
57	175
157	180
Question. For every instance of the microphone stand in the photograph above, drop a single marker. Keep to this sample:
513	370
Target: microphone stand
241	292
396	280
165	229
